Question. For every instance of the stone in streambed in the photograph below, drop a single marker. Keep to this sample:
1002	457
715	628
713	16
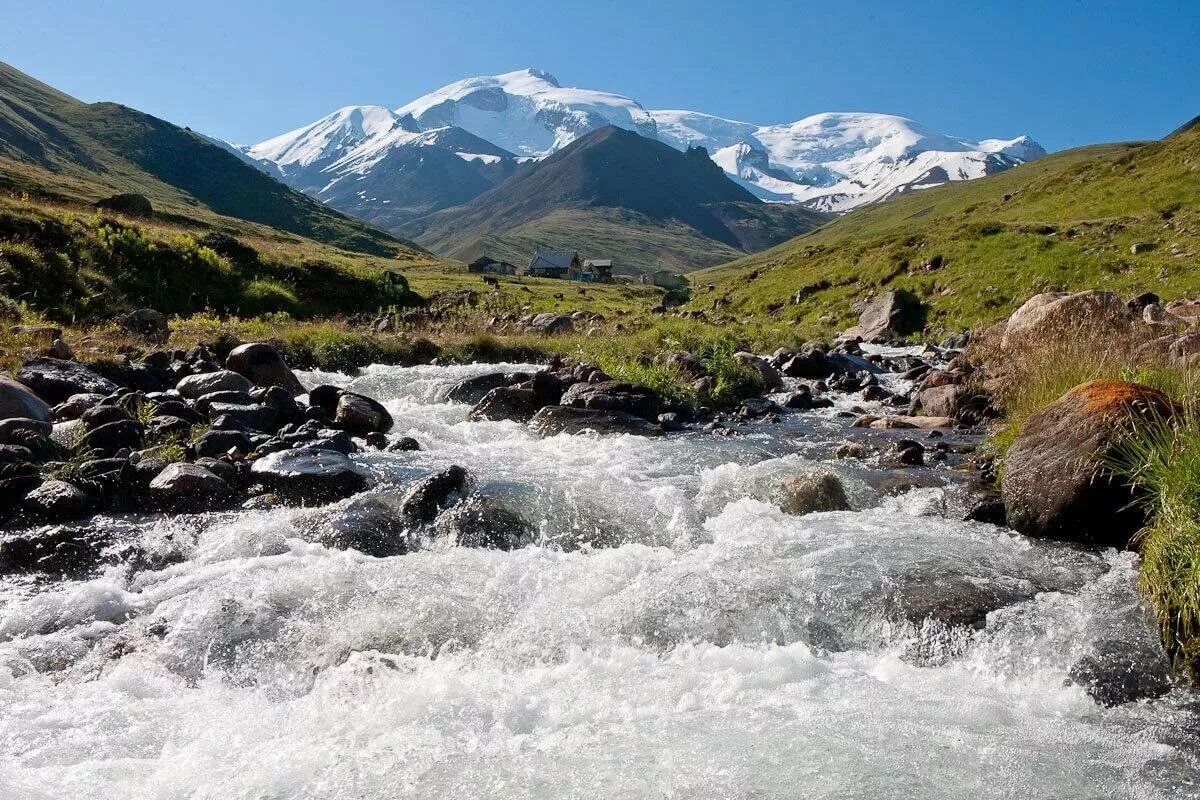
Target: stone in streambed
309	475
812	492
553	420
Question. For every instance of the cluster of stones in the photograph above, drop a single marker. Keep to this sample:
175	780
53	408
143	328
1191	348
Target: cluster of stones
177	431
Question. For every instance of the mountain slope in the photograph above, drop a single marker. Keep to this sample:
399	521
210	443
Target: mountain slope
974	250
54	145
612	179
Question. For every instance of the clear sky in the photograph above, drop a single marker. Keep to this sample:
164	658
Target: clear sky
1066	72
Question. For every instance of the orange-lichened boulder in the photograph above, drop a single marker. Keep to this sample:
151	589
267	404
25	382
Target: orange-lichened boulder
1057	480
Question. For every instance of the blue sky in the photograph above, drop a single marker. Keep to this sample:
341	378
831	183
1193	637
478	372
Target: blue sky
1067	73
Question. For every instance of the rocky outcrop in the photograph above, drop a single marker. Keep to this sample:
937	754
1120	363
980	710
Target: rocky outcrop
1056	316
889	316
625	398
1058	476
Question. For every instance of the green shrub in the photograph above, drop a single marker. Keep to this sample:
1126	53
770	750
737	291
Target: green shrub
262	297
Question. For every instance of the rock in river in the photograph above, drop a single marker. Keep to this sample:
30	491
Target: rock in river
553	420
309	475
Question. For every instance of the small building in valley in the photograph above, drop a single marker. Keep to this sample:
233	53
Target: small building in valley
595	270
665	279
554	264
487	264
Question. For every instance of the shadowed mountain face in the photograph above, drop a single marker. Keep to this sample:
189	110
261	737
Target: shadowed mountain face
55	145
608	174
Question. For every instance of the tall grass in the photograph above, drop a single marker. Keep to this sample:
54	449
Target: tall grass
1164	462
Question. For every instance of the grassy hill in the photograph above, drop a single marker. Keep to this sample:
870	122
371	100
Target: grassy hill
56	147
975	250
615	194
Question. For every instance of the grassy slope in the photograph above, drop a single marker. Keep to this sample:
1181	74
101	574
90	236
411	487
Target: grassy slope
1062	222
54	146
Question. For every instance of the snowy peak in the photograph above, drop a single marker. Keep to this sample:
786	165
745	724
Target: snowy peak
330	137
838	161
527	112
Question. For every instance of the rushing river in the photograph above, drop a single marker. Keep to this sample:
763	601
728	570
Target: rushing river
674	636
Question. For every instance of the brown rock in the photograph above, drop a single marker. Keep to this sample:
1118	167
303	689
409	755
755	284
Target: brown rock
1057	479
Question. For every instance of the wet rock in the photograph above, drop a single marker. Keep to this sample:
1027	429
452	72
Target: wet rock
113	436
189	487
309	475
234	416
361	415
56	551
758	408
902	421
1057	482
55	380
954	600
57	500
553	420
505	403
547	389
74	406
906	453
1118	672
23	431
472	390
216	443
264	366
372	524
324	398
812	492
889	316
424	501
770	377
850	450
195	386
484	522
626	398
975	503
404	444
811	362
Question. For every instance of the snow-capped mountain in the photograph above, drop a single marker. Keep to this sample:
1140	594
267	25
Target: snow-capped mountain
467	136
527	111
838	161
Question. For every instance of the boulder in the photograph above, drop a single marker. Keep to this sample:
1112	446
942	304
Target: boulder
424	501
769	376
55	380
472	390
309	475
23	431
195	386
1057	479
614	396
113	436
57	551
553	420
361	415
1117	672
405	444
484	522
551	324
147	323
812	492
216	443
240	417
130	203
372	524
57	500
264	366
1057	316
505	403
189	487
74	406
890	315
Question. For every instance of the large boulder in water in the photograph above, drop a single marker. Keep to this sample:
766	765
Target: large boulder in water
626	398
812	492
372	524
361	415
770	377
189	487
553	420
472	390
1058	479
264	366
481	521
309	475
505	403
17	401
54	380
424	501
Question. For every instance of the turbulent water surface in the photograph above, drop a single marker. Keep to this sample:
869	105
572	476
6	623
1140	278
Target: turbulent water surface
673	635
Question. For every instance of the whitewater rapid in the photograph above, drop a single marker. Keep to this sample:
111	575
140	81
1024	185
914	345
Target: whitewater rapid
673	635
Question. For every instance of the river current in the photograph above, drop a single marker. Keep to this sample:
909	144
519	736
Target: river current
672	635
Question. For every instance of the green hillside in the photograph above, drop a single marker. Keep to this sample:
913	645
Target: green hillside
975	250
54	146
